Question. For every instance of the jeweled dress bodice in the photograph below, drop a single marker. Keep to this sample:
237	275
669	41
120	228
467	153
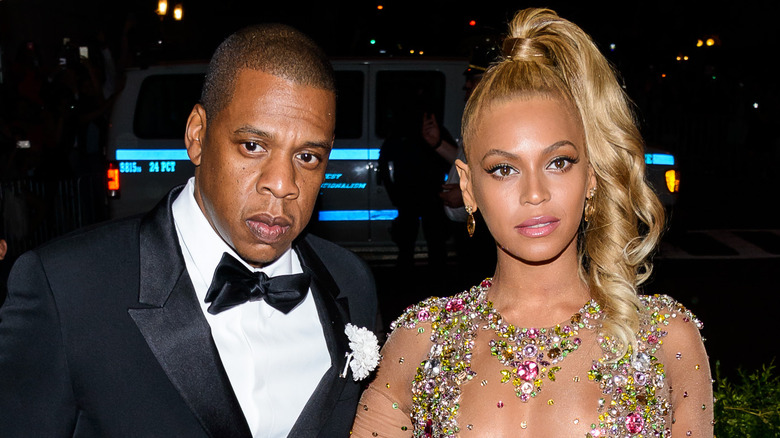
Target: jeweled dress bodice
470	373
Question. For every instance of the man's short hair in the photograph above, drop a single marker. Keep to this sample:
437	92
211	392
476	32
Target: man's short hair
276	49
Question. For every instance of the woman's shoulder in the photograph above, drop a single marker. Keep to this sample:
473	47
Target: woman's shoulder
663	310
668	325
438	310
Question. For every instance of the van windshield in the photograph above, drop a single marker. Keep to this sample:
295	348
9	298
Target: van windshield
164	103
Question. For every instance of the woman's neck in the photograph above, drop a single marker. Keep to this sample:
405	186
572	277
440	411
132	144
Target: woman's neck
538	294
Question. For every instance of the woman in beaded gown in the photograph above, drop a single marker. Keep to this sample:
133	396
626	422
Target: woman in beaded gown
558	343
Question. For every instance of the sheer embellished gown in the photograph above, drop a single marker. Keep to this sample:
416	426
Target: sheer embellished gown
454	367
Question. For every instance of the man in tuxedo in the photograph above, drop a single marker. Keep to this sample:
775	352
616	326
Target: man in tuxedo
161	325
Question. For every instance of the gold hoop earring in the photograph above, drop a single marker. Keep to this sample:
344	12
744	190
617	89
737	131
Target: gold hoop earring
590	205
471	224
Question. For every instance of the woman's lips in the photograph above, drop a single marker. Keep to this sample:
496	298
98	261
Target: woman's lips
268	229
538	226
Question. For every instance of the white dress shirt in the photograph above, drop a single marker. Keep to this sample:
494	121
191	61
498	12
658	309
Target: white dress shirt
274	361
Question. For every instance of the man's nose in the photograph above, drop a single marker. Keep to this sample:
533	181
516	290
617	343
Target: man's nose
278	176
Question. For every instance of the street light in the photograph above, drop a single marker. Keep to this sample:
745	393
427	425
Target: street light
178	11
162	8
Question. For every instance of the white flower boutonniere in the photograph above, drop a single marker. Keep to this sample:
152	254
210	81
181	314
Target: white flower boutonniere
364	356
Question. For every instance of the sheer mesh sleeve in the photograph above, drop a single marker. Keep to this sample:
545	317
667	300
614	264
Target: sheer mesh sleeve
384	408
687	366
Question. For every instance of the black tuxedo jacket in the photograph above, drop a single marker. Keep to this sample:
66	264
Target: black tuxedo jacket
102	336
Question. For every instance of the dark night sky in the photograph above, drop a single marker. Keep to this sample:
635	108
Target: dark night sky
439	26
648	34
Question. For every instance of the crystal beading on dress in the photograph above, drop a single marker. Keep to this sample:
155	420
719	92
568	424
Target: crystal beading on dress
530	352
635	398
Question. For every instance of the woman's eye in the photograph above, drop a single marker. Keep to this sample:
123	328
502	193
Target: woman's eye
502	170
561	163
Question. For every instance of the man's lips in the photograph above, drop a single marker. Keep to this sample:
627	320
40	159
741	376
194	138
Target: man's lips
268	228
538	226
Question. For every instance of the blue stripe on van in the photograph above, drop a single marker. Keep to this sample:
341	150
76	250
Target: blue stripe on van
181	154
354	154
151	154
357	215
662	159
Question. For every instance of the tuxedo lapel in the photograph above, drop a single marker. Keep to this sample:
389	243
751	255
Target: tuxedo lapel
333	311
172	322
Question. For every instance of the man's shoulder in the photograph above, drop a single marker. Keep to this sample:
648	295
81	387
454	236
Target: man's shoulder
342	263
347	269
117	233
322	246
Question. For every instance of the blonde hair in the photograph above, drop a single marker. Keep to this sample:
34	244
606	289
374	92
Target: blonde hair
545	55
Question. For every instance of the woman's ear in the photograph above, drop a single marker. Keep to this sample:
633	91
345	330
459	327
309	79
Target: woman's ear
466	187
592	180
195	133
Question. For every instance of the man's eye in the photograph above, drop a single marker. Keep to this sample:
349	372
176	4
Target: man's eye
308	157
251	146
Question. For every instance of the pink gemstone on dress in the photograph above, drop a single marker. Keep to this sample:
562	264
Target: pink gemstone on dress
532	333
652	339
454	305
485	283
528	370
423	315
500	404
634	422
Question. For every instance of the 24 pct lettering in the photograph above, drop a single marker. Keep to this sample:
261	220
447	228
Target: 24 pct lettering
162	166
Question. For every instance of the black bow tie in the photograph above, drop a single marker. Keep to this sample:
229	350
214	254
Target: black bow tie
234	284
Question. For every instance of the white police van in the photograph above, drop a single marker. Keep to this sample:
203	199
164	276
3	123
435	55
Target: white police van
147	156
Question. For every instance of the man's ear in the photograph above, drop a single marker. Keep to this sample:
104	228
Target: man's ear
3	248
195	133
464	173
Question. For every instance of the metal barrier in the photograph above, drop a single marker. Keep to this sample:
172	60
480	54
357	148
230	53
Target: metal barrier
36	211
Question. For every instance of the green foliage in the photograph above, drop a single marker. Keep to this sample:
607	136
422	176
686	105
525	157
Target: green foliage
749	407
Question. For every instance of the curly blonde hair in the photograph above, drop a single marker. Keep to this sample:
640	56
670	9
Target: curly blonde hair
545	55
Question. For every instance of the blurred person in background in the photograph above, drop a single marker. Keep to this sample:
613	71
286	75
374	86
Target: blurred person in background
413	171
473	250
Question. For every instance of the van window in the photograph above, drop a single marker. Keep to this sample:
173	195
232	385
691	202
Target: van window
403	96
349	104
164	103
